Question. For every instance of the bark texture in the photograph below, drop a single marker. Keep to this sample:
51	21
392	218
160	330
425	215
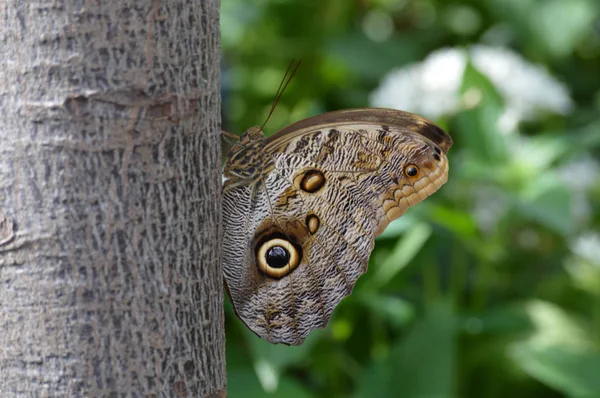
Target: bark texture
110	280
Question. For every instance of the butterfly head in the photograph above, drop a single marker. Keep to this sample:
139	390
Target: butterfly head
253	134
244	160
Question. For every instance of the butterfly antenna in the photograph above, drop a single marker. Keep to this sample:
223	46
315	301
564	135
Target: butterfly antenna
282	88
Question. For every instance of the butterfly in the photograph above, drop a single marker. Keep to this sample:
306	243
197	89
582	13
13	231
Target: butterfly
301	210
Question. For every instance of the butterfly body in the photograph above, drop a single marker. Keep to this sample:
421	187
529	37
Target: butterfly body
302	208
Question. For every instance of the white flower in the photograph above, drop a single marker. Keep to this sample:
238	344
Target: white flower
580	174
528	88
432	87
429	88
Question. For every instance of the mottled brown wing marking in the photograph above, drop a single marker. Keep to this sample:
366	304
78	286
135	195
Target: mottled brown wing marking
242	281
366	159
325	204
311	165
301	144
294	310
333	260
271	213
319	291
340	229
332	136
285	197
305	146
378	187
382	154
340	234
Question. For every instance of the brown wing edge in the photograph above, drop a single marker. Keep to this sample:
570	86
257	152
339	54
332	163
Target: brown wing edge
383	116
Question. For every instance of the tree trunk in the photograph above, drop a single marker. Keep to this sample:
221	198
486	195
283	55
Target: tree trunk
110	180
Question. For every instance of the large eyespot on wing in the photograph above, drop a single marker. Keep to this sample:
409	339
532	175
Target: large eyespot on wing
277	256
305	255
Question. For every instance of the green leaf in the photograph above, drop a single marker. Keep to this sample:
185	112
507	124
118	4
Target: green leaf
558	25
459	222
420	365
554	26
404	251
271	360
399	226
394	310
559	352
371	61
575	373
244	384
548	201
479	125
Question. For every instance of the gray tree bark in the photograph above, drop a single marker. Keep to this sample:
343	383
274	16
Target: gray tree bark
110	179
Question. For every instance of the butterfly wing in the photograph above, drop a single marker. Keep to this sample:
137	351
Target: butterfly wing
299	235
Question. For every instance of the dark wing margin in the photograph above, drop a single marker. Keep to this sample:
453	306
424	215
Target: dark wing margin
383	116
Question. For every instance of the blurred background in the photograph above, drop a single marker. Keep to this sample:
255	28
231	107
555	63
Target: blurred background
491	287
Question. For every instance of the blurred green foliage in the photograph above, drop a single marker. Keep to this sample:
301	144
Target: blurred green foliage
491	287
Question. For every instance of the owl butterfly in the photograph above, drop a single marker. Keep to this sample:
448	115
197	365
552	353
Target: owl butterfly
302	208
